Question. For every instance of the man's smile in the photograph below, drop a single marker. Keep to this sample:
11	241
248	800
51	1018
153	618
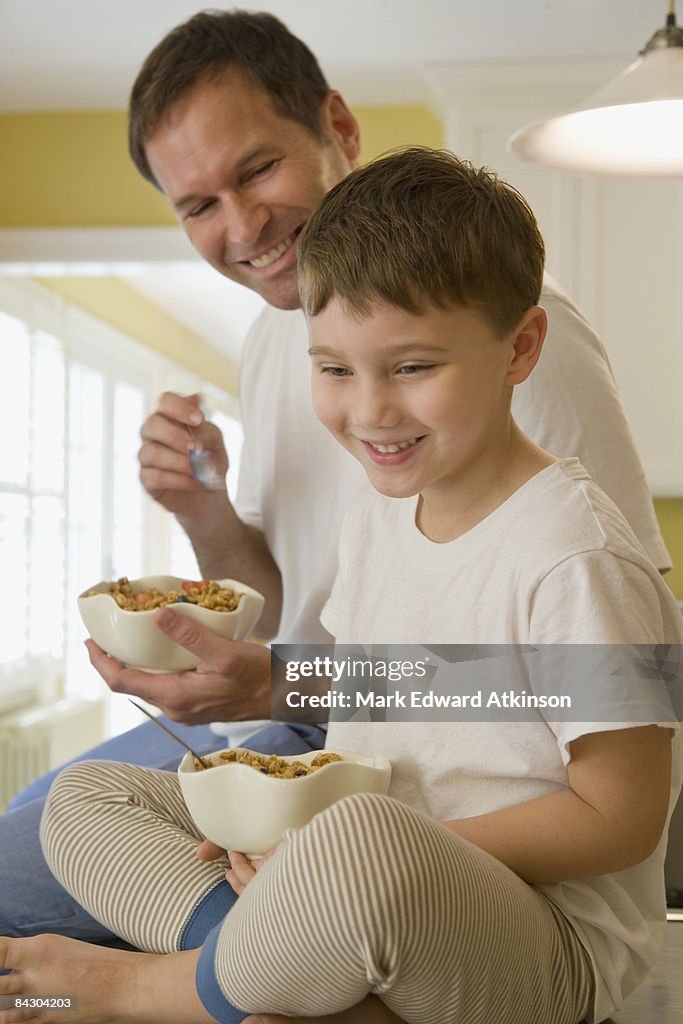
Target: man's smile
272	255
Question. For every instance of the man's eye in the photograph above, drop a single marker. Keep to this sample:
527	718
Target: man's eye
262	169
198	210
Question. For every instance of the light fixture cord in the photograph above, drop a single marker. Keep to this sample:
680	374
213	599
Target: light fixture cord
671	16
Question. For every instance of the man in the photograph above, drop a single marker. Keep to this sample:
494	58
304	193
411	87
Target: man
233	120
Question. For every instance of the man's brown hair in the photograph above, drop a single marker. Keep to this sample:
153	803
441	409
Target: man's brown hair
419	227
202	49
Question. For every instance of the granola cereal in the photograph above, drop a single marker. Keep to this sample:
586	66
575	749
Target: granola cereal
269	764
205	593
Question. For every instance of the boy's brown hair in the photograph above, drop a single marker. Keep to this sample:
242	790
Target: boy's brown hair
202	49
418	227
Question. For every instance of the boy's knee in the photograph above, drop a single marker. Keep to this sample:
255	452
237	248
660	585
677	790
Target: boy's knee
373	808
366	812
375	830
361	827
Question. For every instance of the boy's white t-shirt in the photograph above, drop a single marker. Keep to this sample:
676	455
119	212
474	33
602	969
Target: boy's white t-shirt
556	564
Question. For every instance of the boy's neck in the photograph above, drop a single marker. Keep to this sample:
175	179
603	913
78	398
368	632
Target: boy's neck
445	516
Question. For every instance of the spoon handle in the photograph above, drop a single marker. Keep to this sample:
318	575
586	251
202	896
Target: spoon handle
153	718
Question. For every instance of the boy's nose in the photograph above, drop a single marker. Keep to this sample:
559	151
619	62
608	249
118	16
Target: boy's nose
375	407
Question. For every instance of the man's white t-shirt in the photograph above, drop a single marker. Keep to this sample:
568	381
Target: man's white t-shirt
553	569
296	482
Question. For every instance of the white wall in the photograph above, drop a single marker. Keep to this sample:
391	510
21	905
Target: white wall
616	246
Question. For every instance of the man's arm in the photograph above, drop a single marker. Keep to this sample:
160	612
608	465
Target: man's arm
225	546
232	549
610	819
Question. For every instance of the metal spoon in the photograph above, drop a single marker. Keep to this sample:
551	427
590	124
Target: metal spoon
153	718
203	469
203	466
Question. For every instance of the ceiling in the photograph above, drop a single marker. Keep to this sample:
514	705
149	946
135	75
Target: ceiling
84	54
59	54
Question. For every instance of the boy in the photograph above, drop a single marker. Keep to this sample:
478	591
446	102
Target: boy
515	870
420	278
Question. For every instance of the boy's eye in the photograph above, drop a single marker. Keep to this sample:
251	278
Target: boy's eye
410	369
335	371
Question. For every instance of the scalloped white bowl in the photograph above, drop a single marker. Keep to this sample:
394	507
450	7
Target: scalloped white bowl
135	639
239	808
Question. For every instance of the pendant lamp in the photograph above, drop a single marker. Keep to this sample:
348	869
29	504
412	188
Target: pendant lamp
633	127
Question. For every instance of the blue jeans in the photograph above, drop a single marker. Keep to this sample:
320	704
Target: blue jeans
31	900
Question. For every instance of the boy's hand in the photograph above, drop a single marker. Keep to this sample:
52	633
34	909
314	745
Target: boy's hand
209	851
241	870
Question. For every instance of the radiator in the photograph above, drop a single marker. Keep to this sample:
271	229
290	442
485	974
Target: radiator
36	739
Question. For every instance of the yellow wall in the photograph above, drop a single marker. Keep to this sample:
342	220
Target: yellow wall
72	169
383	128
670	516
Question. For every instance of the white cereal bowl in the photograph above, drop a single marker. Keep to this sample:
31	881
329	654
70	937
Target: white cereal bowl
135	639
239	808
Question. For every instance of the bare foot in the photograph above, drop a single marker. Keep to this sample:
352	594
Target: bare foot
112	986
370	1011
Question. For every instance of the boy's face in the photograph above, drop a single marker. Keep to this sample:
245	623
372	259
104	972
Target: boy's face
243	180
422	401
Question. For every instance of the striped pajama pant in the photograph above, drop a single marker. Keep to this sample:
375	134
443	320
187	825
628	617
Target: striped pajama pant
370	897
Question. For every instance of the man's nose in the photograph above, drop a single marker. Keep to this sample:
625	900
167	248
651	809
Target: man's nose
245	219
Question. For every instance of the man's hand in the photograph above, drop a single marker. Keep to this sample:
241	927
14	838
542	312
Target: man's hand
168	435
224	545
231	681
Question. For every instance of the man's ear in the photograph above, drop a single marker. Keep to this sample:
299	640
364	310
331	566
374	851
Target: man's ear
527	342
340	126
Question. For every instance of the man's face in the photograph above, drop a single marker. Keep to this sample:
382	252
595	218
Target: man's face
243	180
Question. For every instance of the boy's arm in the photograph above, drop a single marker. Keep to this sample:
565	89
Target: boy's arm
610	818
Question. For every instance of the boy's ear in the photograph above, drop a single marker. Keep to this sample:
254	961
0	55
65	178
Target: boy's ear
527	343
340	125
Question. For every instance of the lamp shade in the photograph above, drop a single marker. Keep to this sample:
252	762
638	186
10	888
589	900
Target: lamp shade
633	127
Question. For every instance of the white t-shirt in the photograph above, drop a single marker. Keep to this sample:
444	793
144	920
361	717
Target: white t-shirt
555	564
296	482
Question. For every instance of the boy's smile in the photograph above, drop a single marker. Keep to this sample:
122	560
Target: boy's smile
421	400
392	453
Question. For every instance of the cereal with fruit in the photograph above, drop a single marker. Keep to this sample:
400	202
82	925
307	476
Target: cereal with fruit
205	593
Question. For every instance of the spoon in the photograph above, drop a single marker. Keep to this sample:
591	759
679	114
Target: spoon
153	718
203	469
203	466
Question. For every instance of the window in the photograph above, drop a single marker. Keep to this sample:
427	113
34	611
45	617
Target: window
73	394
